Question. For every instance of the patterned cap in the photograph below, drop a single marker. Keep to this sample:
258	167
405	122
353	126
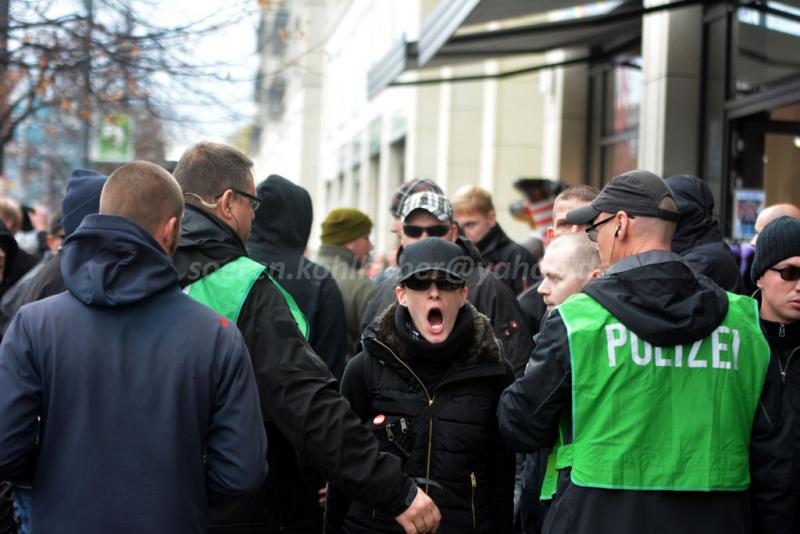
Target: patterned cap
434	203
409	188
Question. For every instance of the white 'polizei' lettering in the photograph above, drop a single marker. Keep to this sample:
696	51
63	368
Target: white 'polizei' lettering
648	351
614	341
661	361
717	346
619	336
679	356
693	362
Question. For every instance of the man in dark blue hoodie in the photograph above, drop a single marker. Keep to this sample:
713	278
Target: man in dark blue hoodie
121	423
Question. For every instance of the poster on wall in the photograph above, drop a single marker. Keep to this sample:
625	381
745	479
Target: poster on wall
747	204
113	139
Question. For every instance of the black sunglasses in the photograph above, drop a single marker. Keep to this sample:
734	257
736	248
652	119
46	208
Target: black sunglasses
591	230
412	230
255	202
442	284
789	274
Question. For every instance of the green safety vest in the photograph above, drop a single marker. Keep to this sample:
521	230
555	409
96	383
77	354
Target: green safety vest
226	289
644	418
560	457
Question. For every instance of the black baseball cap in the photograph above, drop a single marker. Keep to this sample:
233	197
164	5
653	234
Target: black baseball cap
433	255
635	193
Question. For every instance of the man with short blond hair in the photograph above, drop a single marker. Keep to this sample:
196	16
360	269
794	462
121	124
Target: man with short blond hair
512	263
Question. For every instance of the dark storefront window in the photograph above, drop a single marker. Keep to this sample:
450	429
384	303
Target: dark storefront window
751	102
715	80
766	49
616	101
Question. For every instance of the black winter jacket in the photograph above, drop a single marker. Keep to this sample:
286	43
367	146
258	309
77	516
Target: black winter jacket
46	283
305	414
698	238
784	366
489	295
441	424
510	261
659	297
279	237
18	262
533	308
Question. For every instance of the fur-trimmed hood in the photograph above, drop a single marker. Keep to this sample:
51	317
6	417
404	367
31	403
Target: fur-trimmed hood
483	349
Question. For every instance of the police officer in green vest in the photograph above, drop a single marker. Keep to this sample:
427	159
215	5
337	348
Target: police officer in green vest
306	418
650	385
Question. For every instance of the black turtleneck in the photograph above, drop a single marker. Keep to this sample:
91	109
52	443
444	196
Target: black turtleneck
428	360
784	338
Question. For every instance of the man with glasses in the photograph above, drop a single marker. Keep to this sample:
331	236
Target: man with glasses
428	214
650	387
305	417
776	272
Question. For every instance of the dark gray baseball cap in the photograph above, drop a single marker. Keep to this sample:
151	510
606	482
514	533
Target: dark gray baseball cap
433	255
635	193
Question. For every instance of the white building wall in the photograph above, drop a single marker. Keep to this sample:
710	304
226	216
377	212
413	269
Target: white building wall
486	132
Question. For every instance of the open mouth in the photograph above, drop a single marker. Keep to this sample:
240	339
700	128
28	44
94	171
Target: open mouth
435	320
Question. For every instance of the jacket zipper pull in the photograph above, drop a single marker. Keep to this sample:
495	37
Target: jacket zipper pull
783	376
473	480
781	330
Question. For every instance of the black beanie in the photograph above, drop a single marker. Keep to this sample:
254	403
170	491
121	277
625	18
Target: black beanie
779	240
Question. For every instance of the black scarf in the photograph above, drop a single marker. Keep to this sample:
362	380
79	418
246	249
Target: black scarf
430	360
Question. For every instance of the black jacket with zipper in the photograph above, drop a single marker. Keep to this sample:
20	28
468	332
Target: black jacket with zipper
510	261
660	298
305	416
784	366
280	234
488	294
444	428
698	238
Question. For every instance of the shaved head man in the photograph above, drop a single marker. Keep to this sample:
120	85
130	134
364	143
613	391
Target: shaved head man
770	213
149	196
568	264
149	393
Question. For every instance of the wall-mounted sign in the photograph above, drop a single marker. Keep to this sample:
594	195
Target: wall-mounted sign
113	139
747	204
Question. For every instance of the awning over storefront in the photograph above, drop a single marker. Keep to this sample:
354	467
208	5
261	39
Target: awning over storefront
457	33
450	16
